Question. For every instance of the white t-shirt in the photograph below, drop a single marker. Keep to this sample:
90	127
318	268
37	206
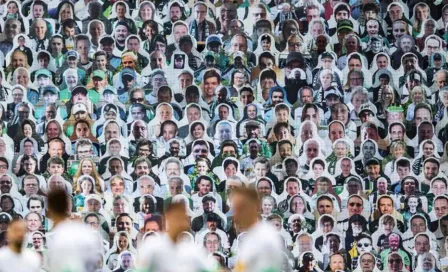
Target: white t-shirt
73	247
261	251
27	261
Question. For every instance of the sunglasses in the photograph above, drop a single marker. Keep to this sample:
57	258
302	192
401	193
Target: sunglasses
355	204
137	100
364	245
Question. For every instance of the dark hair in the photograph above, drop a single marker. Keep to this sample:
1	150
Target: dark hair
28	122
58	203
280	125
22	168
325	197
157	38
280	107
432	160
143	142
327	218
229	143
194	125
229	162
152	24
167	122
165	89
320	162
121	4
211	73
306	107
199	179
92	215
100	53
268	73
10	198
70	23
35	198
357	218
370	7
155	218
422	106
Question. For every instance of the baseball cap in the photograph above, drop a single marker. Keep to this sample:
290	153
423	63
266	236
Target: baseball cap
93	196
186	38
110	107
5	218
437	56
294	56
79	89
43	72
332	92
373	161
126	74
107	40
326	55
50	89
395	108
252	123
238	54
345	24
308	257
109	89
72	54
210	54
99	73
214	39
79	107
367	107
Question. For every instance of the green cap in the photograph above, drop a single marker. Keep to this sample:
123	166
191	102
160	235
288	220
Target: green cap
43	72
99	73
210	54
395	108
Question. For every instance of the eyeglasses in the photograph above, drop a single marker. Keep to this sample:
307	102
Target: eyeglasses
3	166
358	205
